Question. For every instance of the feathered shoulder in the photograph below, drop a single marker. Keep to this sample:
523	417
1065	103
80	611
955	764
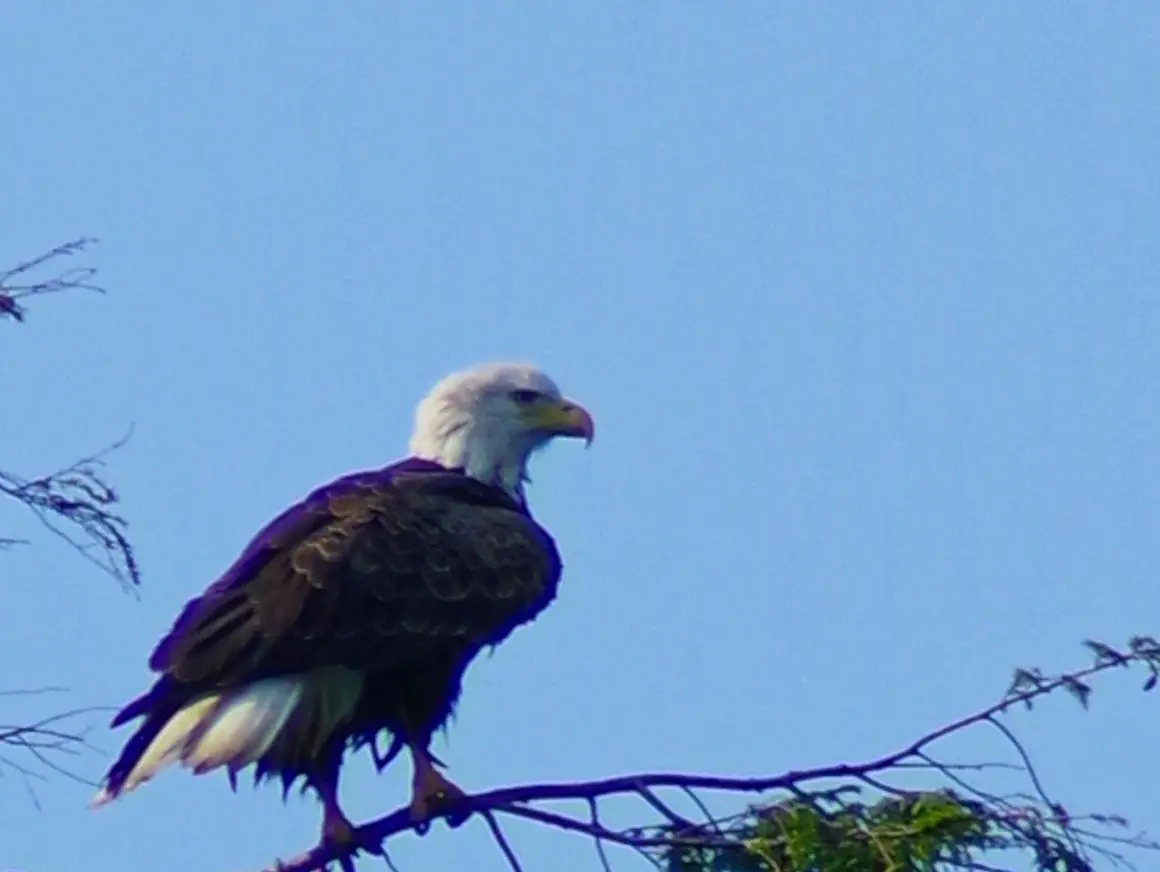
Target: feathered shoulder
322	505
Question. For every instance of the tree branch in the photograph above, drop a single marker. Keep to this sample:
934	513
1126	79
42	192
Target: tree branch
77	504
19	283
968	826
48	743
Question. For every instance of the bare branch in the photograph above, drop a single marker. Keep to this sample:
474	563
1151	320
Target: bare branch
594	811
1036	824
21	283
502	841
48	743
77	504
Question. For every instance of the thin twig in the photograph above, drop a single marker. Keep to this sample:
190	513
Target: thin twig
664	809
704	809
79	496
71	280
598	840
390	864
500	840
41	739
1029	768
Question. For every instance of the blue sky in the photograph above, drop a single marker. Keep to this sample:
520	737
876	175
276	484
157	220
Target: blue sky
864	298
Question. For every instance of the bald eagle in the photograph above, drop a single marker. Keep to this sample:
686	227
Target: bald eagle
359	609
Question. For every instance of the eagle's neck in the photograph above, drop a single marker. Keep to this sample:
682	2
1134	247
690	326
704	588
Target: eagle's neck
487	454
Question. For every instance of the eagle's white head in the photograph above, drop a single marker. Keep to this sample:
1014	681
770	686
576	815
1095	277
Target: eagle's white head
489	419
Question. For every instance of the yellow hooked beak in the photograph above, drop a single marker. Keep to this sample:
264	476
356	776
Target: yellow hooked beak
563	418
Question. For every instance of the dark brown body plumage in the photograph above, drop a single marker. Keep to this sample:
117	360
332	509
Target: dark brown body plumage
382	586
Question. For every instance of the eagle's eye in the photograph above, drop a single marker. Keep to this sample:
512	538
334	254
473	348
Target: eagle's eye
523	396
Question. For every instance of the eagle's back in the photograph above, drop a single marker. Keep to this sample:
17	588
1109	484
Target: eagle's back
356	610
375	574
370	572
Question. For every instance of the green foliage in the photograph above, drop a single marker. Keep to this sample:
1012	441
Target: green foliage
947	830
894	834
930	831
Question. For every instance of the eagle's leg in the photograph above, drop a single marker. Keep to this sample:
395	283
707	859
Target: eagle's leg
336	826
382	761
431	792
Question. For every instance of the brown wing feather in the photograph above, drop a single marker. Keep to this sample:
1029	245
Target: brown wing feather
382	575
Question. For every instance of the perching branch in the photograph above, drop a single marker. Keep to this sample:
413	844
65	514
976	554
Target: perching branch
851	816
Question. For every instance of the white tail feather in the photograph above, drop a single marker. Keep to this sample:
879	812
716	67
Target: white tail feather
225	729
166	745
245	727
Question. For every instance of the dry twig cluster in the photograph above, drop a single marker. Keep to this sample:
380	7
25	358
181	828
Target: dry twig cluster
20	282
76	503
45	745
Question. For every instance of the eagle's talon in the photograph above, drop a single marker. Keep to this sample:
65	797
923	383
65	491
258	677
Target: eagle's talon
421	826
347	838
456	819
432	794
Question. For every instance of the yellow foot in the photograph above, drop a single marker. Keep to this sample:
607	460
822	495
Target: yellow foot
338	831
432	794
341	833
